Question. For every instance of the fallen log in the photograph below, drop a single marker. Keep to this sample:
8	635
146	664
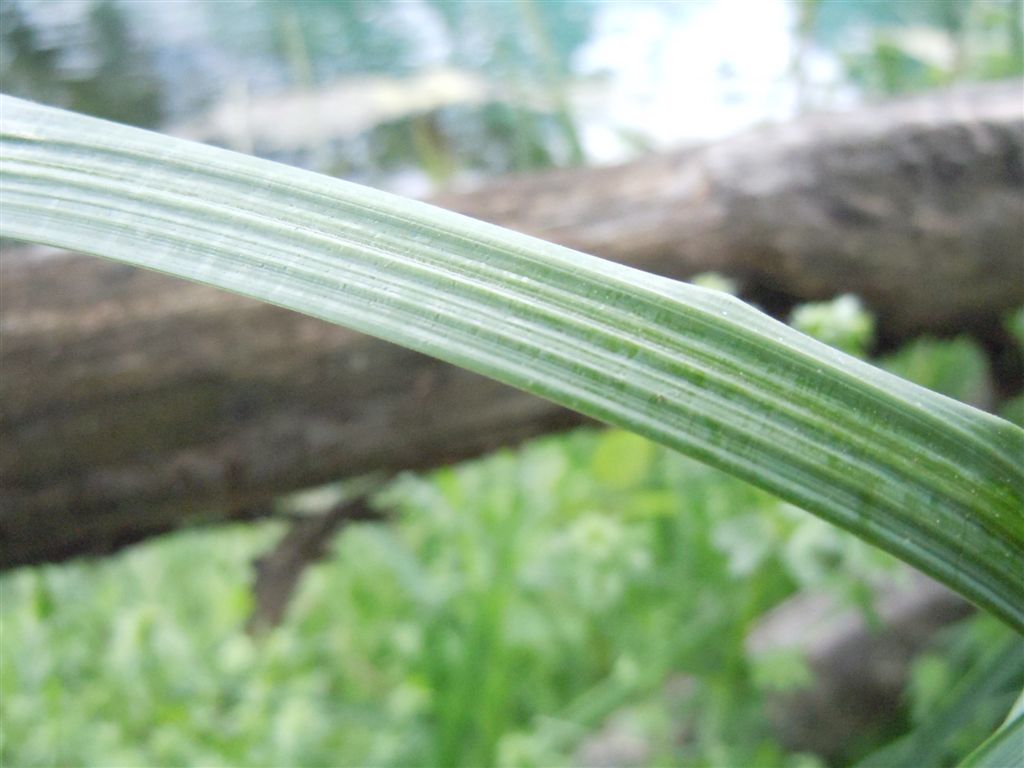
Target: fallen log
134	404
915	206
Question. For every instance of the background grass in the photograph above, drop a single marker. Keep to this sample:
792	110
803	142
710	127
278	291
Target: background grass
585	595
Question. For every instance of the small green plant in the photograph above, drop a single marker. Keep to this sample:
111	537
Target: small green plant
841	323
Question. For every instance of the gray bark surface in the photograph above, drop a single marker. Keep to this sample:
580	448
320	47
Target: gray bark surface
860	668
133	404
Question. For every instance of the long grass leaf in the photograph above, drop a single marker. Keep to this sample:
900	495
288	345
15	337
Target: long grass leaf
931	480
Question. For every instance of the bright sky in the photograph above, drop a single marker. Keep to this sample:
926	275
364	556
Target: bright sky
693	70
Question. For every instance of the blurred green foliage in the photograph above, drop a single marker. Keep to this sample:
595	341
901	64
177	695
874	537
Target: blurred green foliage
1015	325
144	64
955	367
904	47
99	69
112	59
537	607
514	605
841	322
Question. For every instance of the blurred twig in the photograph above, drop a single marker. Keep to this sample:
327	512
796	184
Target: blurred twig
278	572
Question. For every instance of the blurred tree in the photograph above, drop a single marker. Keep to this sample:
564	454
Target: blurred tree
26	67
99	70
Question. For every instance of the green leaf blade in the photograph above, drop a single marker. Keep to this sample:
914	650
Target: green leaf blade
931	480
1005	747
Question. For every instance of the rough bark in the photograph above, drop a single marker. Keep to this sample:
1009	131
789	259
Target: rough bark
133	403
